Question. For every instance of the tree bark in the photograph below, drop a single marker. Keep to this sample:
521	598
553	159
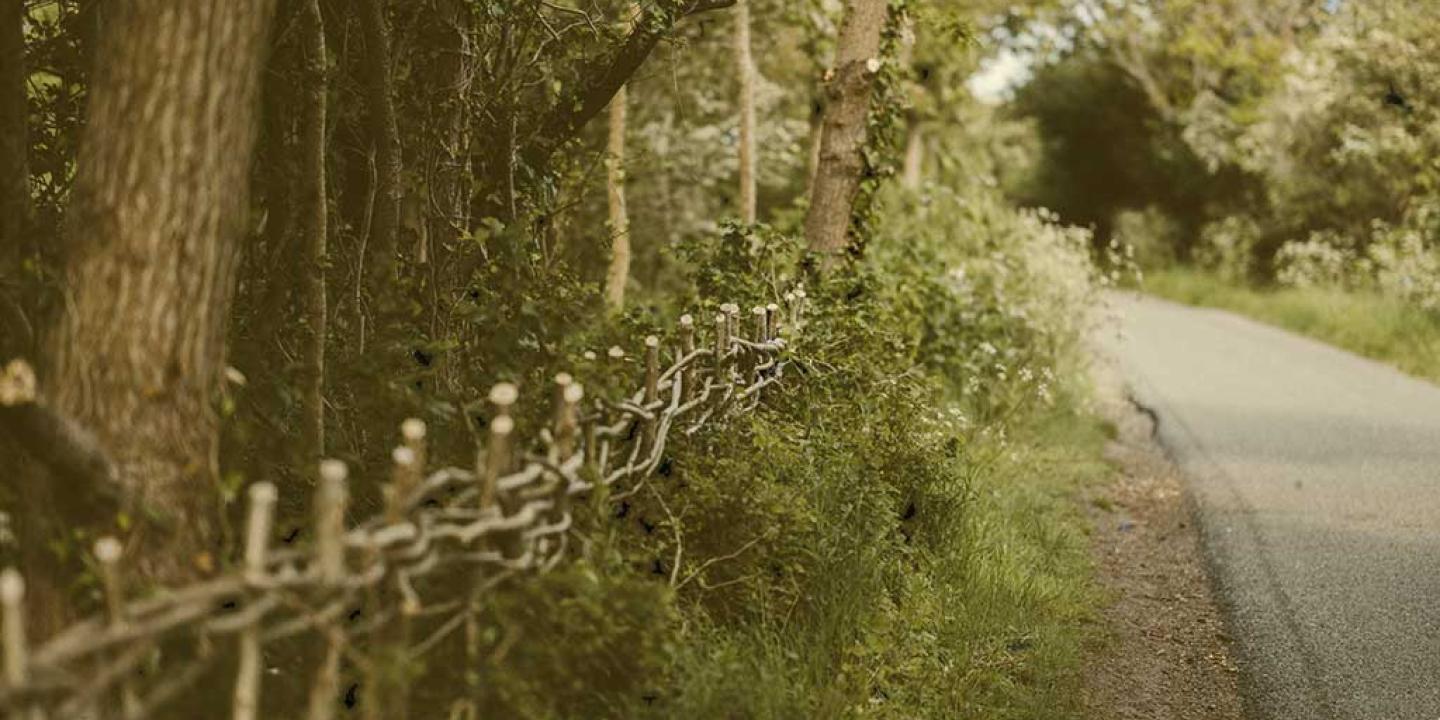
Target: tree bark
159	204
745	70
837	175
313	213
384	131
812	156
619	272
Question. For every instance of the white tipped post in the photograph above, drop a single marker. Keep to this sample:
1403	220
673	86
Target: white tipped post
12	604
257	543
652	387
686	376
497	450
331	499
107	553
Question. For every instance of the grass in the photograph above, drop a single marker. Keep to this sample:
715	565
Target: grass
1369	324
989	623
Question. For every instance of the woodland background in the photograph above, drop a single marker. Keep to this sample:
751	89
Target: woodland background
237	237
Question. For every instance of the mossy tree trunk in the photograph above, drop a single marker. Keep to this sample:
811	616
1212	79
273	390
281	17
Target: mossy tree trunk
844	131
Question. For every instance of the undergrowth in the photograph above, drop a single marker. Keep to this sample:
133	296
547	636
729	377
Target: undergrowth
892	535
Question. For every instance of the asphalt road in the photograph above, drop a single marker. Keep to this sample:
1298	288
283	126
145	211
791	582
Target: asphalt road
1316	475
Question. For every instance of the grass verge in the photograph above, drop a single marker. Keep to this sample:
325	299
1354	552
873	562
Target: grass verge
1368	324
986	620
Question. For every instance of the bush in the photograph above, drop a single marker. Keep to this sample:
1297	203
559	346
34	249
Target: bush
874	541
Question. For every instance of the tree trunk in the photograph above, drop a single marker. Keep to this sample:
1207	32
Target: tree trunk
313	213
384	131
745	69
619	272
159	204
664	152
817	134
837	175
914	172
14	177
450	192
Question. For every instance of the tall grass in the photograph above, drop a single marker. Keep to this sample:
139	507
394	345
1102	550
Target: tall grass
984	617
1366	323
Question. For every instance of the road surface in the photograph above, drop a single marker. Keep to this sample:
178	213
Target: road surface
1316	475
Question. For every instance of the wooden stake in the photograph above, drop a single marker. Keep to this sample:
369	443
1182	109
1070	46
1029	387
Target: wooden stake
722	348
17	652
567	410
592	448
413	431
12	600
331	499
402	484
257	543
568	394
686	377
498	462
652	384
497	449
752	359
107	553
799	309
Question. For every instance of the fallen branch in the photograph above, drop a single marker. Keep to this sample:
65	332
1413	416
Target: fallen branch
69	450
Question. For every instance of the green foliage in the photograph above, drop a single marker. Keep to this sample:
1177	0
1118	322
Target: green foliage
579	642
991	292
892	534
889	535
1080	105
1283	139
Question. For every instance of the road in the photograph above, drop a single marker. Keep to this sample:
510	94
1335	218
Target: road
1316	476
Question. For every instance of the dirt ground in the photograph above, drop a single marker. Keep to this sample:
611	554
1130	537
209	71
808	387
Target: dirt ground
1167	654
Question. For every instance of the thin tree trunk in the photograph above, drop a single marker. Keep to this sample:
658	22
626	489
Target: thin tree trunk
159	204
837	175
313	236
663	149
14	177
14	133
745	69
914	172
604	74
384	132
451	191
817	134
619	272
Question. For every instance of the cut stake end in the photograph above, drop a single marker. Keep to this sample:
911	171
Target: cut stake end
413	429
